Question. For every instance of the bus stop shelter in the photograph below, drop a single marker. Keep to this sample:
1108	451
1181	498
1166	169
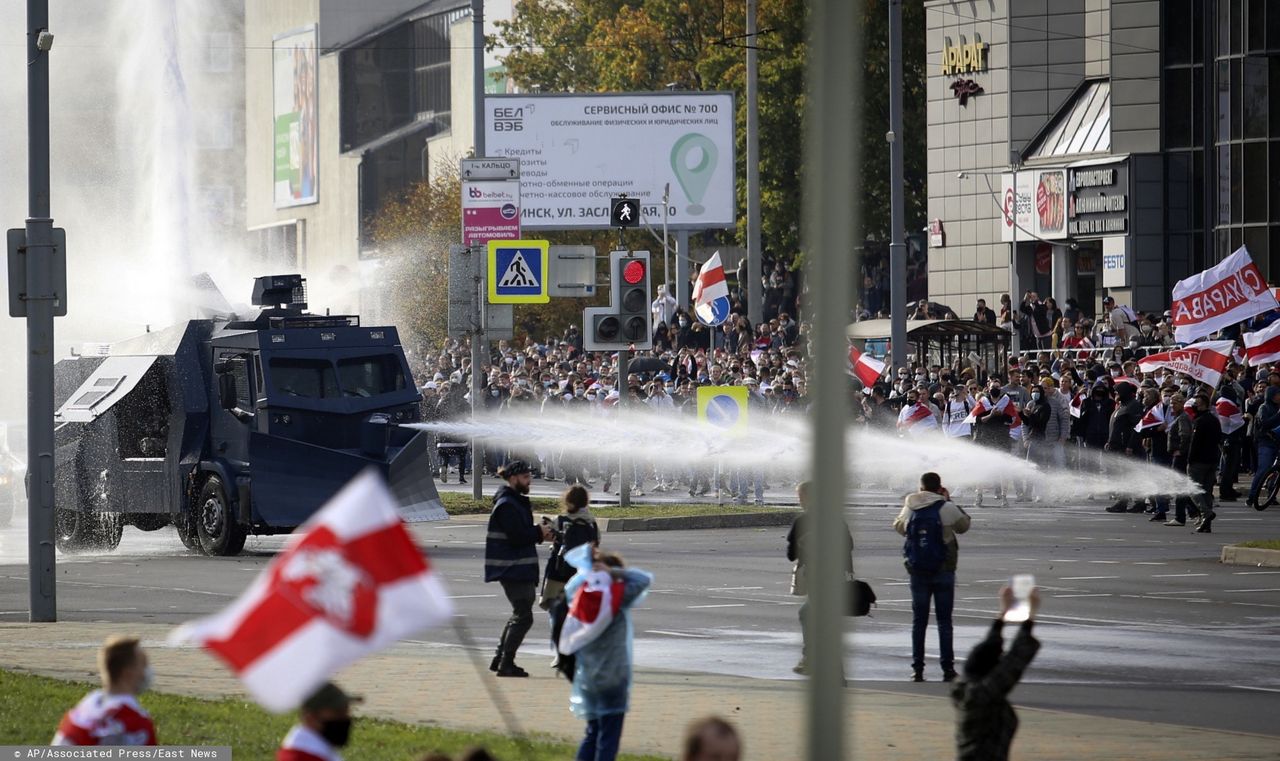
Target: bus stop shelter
938	342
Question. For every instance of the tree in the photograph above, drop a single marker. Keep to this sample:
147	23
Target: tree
643	45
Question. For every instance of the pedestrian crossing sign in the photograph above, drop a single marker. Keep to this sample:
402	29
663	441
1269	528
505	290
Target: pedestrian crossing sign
518	272
723	407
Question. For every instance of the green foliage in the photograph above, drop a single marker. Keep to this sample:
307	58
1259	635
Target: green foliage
34	705
643	45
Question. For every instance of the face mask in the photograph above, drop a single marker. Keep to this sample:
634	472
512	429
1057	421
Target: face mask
684	323
933	376
148	678
494	393
1166	399
1036	396
336	731
1115	373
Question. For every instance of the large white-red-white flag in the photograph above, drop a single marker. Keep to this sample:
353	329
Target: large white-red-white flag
1204	362
1263	346
1231	291
917	418
595	604
1229	415
1007	406
981	408
1077	404
350	582
865	367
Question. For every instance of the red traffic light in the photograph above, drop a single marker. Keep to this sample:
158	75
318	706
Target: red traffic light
633	271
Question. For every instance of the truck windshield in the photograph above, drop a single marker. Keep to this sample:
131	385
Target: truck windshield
370	376
310	378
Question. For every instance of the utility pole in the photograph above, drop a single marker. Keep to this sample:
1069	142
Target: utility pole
831	219
755	298
897	195
625	463
666	249
477	335
40	301
682	269
1015	298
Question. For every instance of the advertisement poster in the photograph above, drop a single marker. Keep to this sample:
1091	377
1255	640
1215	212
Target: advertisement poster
578	151
293	72
490	211
1051	202
1041	201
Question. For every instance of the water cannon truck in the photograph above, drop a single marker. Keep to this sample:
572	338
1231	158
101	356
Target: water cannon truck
225	427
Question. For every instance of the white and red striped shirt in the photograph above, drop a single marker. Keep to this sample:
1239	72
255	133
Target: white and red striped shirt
102	718
305	744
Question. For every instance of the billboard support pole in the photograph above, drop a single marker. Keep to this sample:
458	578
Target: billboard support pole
897	194
477	335
682	269
755	305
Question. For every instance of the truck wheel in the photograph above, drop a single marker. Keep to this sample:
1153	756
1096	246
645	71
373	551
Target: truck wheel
216	527
82	531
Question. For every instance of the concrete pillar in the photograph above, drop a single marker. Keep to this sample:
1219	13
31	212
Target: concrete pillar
1062	277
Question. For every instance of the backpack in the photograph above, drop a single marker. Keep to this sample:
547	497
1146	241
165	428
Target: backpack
924	551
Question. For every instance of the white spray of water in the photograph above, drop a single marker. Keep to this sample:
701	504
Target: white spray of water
782	443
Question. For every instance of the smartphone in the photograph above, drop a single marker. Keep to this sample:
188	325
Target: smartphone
1021	585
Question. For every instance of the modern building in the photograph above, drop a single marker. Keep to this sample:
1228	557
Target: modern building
347	105
1144	140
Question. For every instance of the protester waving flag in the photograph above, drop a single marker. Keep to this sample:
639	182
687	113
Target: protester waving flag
981	408
1009	408
595	603
350	582
1155	417
1077	404
1229	415
1204	361
710	293
1231	291
916	418
865	367
1263	346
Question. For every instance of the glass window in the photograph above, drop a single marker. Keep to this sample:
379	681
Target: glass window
1177	34
1224	102
1255	105
1273	66
1237	128
1273	31
370	376
1198	190
1197	106
1255	239
1237	26
1274	252
1224	185
1237	184
1178	111
307	378
1255	182
1257	26
1197	31
1274	160
1222	246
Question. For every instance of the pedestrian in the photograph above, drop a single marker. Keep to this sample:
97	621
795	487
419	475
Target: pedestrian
113	715
986	720
1266	439
324	726
1179	442
711	739
991	430
1123	440
511	559
574	526
1203	454
930	522
797	552
602	671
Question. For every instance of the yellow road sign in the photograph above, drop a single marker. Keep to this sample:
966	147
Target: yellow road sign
518	271
724	407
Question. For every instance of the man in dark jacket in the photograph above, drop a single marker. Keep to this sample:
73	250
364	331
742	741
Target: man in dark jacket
1202	458
1265	423
1122	442
1095	426
511	558
987	722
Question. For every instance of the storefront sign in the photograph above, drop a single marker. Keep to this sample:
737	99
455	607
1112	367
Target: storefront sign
937	235
1115	263
1099	204
964	88
964	58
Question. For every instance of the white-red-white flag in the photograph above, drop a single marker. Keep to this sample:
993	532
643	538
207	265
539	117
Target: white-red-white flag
917	418
1229	415
1204	362
865	367
1154	417
1007	406
1263	346
1231	291
350	582
1077	404
981	408
595	604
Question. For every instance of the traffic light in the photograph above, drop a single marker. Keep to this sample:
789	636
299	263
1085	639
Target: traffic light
626	322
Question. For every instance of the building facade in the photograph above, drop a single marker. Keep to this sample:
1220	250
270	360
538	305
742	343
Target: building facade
380	102
1080	148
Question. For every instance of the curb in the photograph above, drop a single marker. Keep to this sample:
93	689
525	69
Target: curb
691	522
1254	556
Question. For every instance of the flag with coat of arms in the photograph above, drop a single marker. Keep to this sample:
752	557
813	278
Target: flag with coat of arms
711	293
350	582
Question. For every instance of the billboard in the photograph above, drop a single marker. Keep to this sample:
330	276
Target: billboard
578	151
1041	201
294	117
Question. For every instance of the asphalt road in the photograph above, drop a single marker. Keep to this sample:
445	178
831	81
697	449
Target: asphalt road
1139	620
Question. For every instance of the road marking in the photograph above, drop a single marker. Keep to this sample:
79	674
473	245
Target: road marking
103	610
468	597
1149	562
1185	592
1255	689
1255	605
990	581
1252	590
1088	594
1104	562
1175	575
723	605
679	634
1085	578
1253	573
730	589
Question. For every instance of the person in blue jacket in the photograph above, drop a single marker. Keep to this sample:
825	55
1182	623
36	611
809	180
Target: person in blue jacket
602	672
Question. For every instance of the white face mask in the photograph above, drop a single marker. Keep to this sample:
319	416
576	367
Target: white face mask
148	679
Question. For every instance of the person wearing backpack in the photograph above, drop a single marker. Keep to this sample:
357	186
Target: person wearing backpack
930	521
575	526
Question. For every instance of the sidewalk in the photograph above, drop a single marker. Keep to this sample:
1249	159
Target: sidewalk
438	684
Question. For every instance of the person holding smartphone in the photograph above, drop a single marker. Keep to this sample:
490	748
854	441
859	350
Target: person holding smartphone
987	721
